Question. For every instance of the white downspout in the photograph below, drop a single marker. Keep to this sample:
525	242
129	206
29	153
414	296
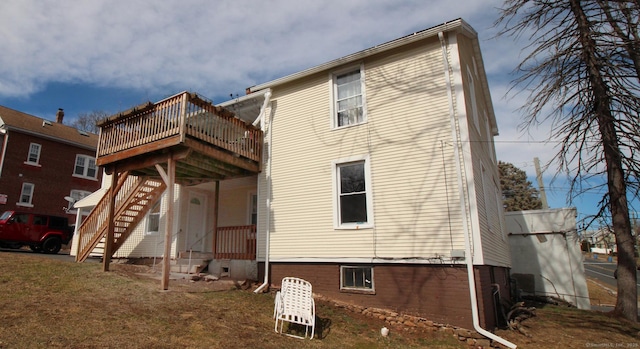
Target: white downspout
267	99
467	240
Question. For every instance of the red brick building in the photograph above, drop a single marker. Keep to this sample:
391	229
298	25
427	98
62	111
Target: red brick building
42	162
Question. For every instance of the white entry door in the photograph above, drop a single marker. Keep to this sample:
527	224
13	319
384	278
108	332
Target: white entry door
196	222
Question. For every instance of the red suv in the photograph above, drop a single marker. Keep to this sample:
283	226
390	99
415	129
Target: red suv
42	233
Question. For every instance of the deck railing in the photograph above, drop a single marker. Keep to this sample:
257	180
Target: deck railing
238	242
185	114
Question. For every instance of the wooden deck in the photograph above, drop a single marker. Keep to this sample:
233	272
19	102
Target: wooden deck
207	142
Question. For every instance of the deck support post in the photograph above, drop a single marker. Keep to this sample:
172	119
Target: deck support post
166	258
108	244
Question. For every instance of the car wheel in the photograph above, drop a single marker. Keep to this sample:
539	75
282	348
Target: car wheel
35	248
51	245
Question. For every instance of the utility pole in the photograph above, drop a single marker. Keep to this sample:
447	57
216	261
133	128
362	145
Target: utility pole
543	195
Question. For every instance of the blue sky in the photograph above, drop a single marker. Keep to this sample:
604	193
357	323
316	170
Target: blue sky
111	55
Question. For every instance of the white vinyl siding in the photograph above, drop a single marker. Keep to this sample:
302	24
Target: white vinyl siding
488	220
408	138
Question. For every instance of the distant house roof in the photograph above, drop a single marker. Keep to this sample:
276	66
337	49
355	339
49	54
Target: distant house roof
597	234
14	120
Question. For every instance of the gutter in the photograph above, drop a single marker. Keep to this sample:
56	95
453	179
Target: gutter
467	239
260	118
458	25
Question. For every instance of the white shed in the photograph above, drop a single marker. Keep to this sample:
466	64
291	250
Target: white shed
545	254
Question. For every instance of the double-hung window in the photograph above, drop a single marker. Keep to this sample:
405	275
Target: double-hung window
26	195
153	219
353	207
348	94
34	154
85	167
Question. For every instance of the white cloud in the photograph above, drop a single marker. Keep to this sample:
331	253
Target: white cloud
222	47
213	47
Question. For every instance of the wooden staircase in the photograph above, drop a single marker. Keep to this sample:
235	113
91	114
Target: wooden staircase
134	198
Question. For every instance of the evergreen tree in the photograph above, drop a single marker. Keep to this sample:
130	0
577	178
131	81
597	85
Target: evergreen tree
517	192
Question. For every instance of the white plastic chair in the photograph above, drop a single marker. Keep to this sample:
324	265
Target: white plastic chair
294	303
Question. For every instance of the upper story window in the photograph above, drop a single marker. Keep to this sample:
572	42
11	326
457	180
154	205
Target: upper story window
85	167
353	207
348	95
34	154
26	195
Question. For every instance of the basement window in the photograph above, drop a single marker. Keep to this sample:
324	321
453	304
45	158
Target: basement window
357	279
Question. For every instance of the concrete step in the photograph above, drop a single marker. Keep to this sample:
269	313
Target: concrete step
183	265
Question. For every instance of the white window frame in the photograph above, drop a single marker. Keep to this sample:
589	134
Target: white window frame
147	230
334	95
250	207
31	187
343	287
337	224
485	196
85	167
500	208
491	148
474	101
37	154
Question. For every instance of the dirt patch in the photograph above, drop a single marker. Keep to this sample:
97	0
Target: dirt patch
179	282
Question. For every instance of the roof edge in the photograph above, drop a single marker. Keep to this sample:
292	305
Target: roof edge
456	25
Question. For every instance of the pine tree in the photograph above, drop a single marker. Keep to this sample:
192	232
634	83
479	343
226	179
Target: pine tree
517	192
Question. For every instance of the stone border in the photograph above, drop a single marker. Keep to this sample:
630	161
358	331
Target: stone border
472	338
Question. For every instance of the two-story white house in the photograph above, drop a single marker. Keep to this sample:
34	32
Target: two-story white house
373	176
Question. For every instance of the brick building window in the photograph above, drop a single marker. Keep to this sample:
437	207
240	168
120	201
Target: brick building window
26	195
85	167
34	154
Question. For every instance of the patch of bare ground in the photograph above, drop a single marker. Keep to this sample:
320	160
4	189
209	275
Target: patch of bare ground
563	327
